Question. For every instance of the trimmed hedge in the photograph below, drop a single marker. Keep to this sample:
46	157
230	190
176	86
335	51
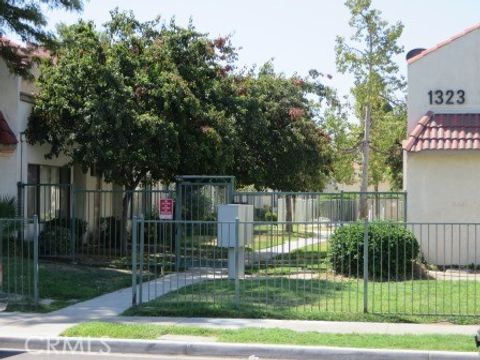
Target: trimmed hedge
392	250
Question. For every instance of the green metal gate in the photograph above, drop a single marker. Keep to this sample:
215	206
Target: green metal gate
197	199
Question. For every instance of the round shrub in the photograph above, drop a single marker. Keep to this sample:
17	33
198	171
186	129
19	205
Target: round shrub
392	250
270	216
55	241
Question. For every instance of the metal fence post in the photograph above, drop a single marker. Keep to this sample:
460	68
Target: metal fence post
134	261
73	221
20	199
237	259
405	194
341	208
36	230
142	252
178	225
365	266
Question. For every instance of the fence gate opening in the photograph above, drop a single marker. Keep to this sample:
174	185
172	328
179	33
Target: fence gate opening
197	200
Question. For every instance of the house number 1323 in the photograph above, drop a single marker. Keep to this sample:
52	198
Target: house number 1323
447	97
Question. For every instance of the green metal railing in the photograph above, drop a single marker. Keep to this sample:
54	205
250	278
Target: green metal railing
19	270
278	271
311	206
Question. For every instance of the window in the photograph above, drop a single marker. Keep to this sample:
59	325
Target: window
48	191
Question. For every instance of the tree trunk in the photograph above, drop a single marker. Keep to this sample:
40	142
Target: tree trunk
124	224
365	156
289	214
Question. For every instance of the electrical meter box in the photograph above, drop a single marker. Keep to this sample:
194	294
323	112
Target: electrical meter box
226	225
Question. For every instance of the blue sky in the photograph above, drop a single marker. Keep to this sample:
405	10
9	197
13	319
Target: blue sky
298	34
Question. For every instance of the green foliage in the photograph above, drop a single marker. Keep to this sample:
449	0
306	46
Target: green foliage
7	207
55	241
369	57
198	205
80	225
392	250
8	228
280	146
168	82
109	232
271	216
26	19
344	139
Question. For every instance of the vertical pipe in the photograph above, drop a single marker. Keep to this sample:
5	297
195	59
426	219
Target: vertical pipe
134	261
36	294
365	266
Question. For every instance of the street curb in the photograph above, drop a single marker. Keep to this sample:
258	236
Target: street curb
163	347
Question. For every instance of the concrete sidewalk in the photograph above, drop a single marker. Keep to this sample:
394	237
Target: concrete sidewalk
52	325
333	327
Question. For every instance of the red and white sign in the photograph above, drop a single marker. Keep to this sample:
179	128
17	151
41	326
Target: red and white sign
166	209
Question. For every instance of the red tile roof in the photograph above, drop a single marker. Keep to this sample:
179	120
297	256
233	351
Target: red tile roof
7	137
445	132
443	43
28	50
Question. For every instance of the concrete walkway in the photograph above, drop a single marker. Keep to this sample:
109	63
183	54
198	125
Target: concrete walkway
285	248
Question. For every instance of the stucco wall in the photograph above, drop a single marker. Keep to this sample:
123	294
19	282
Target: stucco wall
443	187
455	66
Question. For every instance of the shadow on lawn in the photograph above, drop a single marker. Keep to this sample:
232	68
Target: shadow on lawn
258	298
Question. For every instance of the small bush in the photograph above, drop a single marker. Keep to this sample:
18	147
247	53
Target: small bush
392	250
55	241
270	216
80	225
110	231
7	207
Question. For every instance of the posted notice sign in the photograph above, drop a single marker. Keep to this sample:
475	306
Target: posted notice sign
166	209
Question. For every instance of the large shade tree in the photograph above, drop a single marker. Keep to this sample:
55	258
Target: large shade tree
133	100
280	144
26	20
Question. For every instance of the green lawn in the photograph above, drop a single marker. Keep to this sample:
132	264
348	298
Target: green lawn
265	236
318	299
276	336
271	235
310	258
66	284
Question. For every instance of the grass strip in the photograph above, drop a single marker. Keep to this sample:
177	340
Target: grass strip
276	336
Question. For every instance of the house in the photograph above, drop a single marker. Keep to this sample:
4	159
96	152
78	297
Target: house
441	153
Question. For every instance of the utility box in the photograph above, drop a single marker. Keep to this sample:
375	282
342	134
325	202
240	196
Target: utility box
227	235
227	214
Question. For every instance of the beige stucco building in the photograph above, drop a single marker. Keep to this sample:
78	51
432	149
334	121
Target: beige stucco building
442	151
